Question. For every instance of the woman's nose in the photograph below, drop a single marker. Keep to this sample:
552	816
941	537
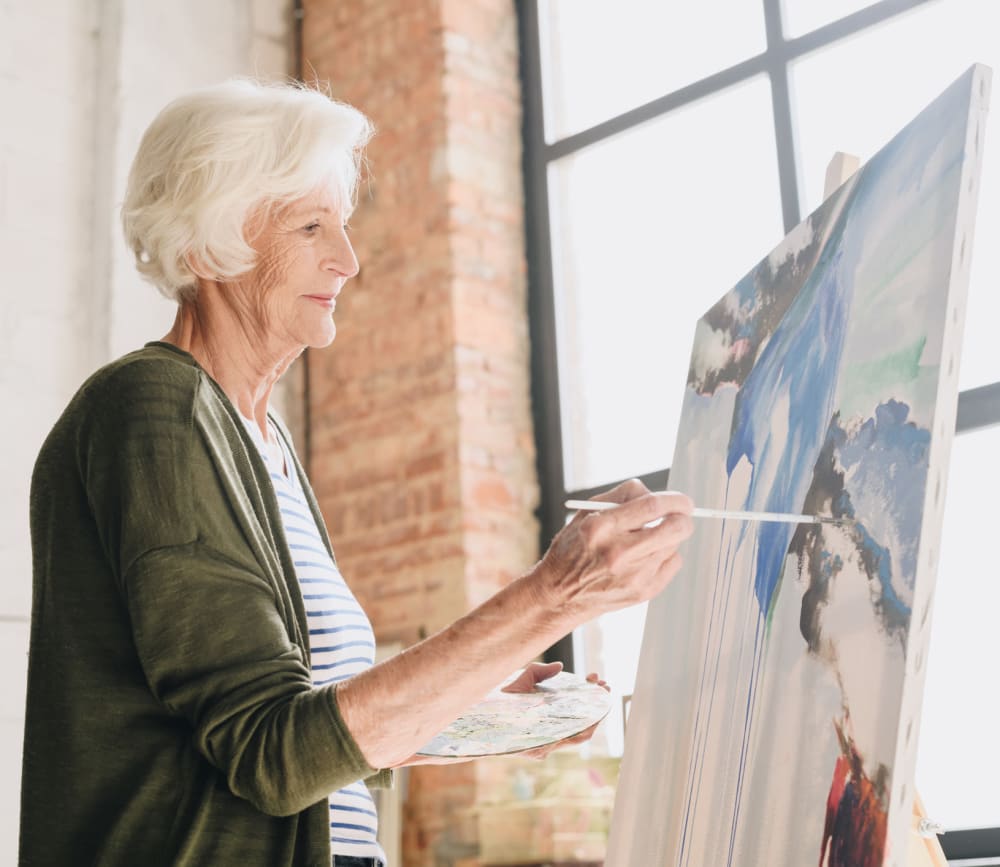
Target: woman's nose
341	257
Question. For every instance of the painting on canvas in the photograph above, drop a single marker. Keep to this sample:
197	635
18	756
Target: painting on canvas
778	694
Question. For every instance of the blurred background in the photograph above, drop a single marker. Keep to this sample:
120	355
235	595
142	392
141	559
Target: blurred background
556	192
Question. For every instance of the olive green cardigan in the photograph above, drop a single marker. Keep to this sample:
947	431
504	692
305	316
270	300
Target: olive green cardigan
171	718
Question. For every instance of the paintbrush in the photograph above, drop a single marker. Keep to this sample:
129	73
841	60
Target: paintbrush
781	517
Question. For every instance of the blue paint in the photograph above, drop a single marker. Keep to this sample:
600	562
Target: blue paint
894	609
802	359
889	455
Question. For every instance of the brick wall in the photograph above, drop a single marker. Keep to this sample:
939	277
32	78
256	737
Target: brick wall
422	450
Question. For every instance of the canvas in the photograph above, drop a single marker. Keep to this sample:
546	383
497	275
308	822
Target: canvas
777	702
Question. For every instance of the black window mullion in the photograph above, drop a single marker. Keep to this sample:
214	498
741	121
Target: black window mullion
863	19
779	51
541	300
657	108
973	844
978	408
781	105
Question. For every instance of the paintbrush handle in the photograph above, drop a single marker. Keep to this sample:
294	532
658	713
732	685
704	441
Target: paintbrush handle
782	517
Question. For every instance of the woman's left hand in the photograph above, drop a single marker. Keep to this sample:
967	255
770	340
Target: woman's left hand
535	673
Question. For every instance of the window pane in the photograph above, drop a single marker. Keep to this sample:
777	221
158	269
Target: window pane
856	95
802	16
649	229
958	759
600	59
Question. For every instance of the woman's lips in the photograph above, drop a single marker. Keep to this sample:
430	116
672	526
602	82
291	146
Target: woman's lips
327	301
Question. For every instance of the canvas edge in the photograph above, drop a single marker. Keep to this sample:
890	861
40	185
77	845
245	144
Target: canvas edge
943	426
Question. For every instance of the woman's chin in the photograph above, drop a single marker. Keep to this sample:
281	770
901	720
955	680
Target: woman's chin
320	338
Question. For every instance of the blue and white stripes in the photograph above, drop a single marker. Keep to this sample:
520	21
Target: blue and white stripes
340	635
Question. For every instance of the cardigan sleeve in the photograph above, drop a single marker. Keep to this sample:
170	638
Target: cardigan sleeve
206	625
215	652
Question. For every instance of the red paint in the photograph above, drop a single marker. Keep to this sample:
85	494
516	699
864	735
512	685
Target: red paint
856	818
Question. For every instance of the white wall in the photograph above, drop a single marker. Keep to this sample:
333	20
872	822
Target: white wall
79	81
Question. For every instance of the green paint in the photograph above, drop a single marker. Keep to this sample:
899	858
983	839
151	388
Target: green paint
867	382
897	367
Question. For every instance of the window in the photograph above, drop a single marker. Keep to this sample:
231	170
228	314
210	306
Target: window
641	153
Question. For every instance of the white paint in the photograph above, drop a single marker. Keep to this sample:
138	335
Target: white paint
712	349
78	84
797	240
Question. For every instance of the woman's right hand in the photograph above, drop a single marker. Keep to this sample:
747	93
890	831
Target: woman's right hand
599	562
603	561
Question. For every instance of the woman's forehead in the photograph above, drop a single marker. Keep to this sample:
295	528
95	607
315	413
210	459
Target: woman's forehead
327	199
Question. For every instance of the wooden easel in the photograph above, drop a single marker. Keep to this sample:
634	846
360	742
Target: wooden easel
924	848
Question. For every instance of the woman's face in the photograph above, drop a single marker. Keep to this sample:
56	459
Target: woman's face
305	260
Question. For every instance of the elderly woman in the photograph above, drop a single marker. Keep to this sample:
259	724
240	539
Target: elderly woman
201	688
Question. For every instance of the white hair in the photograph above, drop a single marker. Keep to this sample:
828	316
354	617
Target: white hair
212	158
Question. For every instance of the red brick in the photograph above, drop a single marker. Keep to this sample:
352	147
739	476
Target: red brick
422	448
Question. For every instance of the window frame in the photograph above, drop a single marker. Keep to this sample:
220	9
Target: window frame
978	408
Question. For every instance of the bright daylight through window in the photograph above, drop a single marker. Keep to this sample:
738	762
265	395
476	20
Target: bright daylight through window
661	174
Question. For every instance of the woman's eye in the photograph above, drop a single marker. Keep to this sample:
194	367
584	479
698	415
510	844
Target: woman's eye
311	228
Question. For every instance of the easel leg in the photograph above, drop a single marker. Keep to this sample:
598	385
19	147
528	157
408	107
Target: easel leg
925	848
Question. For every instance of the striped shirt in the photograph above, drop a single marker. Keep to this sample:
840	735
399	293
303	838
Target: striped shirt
341	640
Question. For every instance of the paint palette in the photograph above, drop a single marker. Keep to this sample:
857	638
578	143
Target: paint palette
509	722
